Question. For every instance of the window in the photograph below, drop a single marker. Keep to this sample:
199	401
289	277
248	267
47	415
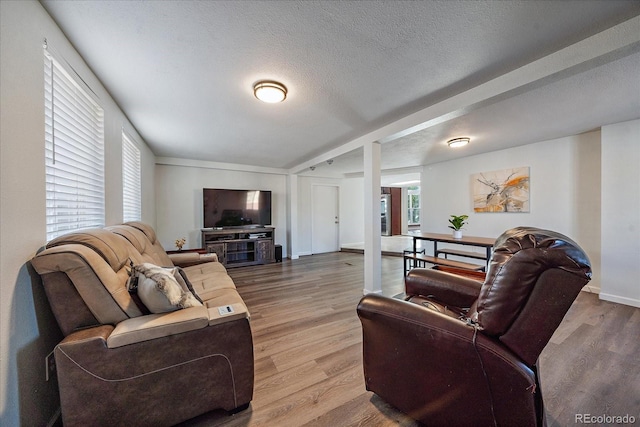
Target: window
74	153
131	193
413	199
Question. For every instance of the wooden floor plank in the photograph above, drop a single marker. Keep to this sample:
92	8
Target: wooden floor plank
308	350
366	410
284	384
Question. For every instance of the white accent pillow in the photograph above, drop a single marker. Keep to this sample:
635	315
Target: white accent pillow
159	290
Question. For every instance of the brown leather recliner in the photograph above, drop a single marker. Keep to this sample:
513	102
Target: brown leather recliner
462	352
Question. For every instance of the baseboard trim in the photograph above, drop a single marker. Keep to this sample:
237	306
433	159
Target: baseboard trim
352	250
620	300
591	289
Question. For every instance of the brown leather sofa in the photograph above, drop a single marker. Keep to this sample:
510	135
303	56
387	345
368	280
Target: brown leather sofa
119	363
461	352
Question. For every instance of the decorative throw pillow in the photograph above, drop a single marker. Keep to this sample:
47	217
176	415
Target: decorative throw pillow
183	280
159	290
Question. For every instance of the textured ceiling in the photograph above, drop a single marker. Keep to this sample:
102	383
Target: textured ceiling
183	73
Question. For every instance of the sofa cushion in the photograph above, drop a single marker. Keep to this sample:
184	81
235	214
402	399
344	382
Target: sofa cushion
208	278
142	248
223	297
184	282
101	289
137	238
155	249
111	247
145	228
154	326
160	291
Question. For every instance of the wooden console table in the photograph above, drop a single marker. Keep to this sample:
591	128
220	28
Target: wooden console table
240	246
482	242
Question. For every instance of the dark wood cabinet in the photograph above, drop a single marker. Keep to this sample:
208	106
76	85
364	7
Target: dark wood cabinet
396	208
396	211
236	247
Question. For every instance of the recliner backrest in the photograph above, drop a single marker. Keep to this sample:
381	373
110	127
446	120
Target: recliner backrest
142	249
85	274
534	275
101	241
155	248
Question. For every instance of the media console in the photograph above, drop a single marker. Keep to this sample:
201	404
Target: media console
240	246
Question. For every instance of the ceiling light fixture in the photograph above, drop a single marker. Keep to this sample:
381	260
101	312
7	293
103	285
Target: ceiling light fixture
271	92
458	142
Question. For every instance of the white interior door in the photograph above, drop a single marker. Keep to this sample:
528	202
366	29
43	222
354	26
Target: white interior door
325	220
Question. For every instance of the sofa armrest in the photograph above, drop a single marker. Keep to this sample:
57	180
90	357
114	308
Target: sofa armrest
447	288
186	259
227	313
101	333
152	326
418	329
480	276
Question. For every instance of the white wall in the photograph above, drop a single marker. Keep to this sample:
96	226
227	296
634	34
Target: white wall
621	213
27	329
564	193
179	200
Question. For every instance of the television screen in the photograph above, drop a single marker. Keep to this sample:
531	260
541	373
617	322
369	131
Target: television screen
233	208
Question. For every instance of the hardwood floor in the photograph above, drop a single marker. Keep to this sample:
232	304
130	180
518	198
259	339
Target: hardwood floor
592	363
308	354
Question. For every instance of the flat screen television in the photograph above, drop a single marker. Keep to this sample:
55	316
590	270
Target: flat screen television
235	208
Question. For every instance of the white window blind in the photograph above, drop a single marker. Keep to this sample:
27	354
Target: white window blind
131	193
74	153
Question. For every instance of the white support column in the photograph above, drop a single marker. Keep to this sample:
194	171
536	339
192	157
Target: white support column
292	217
422	200
372	231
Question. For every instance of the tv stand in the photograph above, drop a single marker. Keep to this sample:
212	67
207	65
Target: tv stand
241	246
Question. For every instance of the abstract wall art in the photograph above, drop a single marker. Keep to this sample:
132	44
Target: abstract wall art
505	190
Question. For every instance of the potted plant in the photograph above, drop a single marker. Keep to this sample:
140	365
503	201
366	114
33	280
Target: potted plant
457	222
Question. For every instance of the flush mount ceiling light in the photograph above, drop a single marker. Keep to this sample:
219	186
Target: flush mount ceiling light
271	92
458	142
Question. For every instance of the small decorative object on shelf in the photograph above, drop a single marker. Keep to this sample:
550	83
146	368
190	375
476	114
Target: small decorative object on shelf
180	243
457	222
